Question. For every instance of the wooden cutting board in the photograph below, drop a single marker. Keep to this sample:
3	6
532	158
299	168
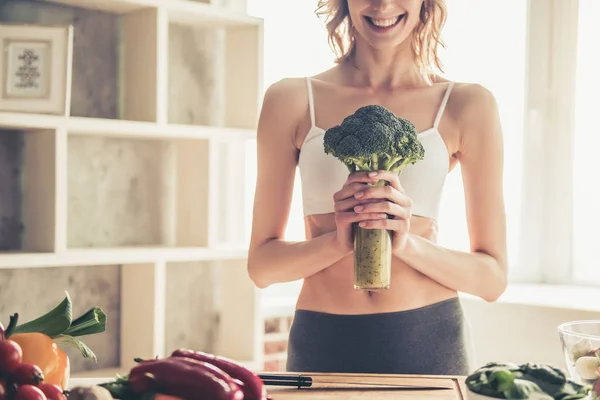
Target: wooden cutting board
355	386
367	386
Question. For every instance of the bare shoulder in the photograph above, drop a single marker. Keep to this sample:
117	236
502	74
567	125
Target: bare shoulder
475	104
285	105
475	113
288	94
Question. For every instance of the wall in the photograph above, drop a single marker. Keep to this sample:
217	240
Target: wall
275	342
519	333
500	331
114	185
32	292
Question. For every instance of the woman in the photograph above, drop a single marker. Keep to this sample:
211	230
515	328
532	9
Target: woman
387	56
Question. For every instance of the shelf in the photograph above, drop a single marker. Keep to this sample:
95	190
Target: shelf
147	130
213	75
29	198
111	256
120	128
105	374
183	11
192	12
145	174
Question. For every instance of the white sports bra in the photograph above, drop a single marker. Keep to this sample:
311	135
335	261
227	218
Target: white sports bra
322	174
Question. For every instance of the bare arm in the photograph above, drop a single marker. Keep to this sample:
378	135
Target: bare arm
271	259
483	271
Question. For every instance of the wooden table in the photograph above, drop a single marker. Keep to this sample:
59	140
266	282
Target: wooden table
356	386
365	386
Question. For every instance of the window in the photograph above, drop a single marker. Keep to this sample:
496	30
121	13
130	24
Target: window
482	58
586	190
293	47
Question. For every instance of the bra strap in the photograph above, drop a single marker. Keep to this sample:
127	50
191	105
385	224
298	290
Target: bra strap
438	117
311	103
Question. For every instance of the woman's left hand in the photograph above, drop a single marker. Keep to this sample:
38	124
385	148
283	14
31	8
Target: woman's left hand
390	199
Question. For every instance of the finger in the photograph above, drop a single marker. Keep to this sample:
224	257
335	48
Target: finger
384	192
389	176
396	225
387	207
347	218
363	177
348	190
349	204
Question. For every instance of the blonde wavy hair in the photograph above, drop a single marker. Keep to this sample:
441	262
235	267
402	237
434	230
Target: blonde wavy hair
426	37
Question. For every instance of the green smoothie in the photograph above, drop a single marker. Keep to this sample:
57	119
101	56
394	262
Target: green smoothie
372	256
372	259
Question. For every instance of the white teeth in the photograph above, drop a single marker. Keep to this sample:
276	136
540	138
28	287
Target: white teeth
384	23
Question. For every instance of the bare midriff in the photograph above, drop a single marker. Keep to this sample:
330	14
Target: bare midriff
332	290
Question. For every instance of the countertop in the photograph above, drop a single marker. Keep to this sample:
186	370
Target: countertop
357	386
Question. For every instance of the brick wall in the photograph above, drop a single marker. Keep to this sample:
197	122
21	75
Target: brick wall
275	342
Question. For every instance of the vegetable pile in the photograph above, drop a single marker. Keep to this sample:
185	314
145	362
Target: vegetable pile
373	139
587	367
21	380
525	381
188	375
39	339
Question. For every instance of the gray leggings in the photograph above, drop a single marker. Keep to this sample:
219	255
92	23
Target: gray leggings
426	340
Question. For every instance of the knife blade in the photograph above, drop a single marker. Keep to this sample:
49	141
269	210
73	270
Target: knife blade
303	381
361	386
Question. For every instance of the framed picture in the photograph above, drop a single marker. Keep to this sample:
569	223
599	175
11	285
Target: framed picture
35	69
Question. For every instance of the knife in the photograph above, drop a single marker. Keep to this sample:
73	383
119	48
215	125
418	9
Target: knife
303	381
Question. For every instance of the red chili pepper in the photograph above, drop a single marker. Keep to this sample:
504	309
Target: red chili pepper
185	378
253	387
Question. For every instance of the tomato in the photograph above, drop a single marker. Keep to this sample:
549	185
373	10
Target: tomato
27	374
11	356
52	392
29	392
3	390
162	396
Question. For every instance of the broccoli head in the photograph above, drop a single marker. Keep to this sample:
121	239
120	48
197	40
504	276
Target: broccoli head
373	138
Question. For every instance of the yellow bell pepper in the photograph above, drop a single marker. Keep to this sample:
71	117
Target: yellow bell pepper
40	339
41	350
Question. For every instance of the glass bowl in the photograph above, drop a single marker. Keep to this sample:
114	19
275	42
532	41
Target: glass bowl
580	342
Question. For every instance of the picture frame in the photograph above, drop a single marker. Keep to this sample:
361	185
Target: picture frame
35	68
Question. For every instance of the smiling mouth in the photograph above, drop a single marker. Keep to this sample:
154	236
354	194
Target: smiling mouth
384	24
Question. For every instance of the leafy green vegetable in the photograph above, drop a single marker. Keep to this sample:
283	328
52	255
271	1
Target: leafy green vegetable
70	341
119	388
373	138
503	379
512	381
53	323
524	389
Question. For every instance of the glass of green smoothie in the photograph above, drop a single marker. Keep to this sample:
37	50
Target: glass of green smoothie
373	139
372	256
372	259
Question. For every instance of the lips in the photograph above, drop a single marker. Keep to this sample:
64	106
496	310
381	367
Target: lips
384	24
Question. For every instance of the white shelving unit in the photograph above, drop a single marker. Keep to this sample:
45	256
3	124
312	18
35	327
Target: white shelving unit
194	229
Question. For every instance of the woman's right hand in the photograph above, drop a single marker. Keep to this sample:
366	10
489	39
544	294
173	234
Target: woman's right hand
344	200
